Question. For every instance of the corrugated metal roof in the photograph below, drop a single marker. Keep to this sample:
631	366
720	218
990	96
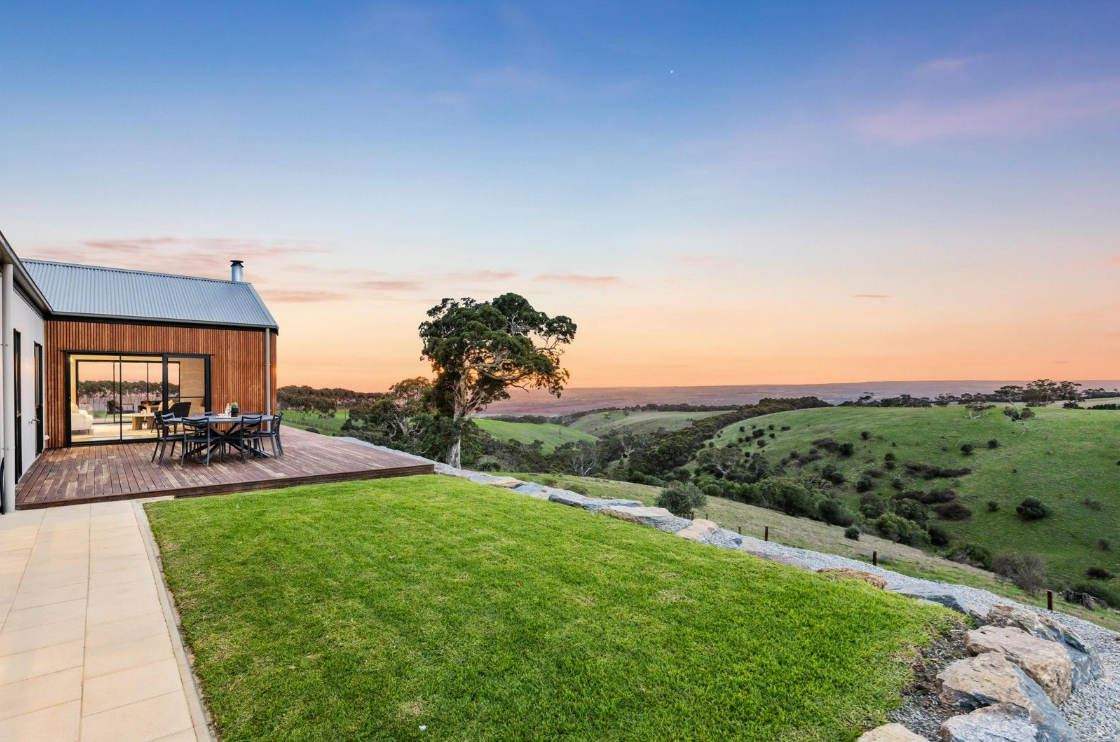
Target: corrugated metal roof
94	291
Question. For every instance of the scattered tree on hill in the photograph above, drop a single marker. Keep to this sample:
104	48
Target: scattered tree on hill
1019	415
720	461
580	457
1010	393
1032	509
479	350
681	499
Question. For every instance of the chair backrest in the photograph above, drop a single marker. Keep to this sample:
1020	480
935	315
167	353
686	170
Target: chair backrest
276	420
162	419
250	424
181	409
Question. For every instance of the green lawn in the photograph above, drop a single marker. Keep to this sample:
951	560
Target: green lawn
549	434
817	536
325	424
619	421
367	610
1063	457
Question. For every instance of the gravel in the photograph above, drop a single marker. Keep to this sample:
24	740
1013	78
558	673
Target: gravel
1093	709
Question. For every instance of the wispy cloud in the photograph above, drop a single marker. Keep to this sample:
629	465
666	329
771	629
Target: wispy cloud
1022	113
297	296
390	285
872	296
945	66
481	276
579	279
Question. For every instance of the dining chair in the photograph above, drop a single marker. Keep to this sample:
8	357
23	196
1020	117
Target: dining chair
166	432
272	433
197	437
248	435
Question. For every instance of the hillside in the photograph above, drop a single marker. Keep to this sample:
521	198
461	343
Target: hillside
638	422
1066	458
550	435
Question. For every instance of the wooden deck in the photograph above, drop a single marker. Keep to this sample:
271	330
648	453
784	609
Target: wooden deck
123	471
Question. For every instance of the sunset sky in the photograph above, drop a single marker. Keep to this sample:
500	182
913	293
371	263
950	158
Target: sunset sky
717	193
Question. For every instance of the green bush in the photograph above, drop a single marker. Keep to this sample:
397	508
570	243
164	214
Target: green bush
899	529
1092	504
938	536
1099	573
1026	571
1032	509
1104	544
681	498
852	532
911	510
993	443
834	512
832	474
579	489
847	449
1100	591
974	554
952	511
993	506
866	435
967	449
792	498
864	484
872	506
712	490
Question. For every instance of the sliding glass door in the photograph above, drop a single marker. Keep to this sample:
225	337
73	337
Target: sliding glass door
115	397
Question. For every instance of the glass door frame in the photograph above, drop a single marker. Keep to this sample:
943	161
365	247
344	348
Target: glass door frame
120	357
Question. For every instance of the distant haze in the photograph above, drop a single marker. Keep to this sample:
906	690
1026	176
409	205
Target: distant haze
578	400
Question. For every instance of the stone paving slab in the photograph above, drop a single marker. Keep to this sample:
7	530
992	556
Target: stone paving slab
89	644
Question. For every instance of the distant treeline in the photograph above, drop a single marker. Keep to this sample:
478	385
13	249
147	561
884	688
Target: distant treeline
325	401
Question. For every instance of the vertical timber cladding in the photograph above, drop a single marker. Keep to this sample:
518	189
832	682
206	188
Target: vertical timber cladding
237	371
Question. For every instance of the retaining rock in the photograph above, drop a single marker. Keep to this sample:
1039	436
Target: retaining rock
698	530
658	518
989	679
575	500
1086	665
890	733
1003	722
942	595
1044	661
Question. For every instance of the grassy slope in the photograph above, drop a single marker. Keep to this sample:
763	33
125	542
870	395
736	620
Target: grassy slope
618	421
810	534
1065	457
366	609
550	434
326	424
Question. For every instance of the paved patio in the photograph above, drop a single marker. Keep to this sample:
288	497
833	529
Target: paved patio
89	650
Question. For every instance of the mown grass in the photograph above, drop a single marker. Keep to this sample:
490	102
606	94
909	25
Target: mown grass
367	610
1066	458
641	422
550	435
817	536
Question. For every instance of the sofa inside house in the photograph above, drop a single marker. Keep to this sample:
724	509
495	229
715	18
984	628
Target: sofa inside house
80	420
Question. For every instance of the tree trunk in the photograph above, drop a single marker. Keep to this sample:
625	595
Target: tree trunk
454	450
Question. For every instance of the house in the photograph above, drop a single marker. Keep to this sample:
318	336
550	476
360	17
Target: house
90	354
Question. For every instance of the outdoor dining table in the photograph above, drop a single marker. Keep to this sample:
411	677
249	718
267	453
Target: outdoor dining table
222	434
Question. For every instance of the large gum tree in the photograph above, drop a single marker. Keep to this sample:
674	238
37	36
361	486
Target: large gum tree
480	350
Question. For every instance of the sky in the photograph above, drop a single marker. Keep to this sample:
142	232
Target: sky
715	192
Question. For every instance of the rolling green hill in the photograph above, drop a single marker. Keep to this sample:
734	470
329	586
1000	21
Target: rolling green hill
550	434
640	422
1066	458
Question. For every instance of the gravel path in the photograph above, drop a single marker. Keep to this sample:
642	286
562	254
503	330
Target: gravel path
1093	710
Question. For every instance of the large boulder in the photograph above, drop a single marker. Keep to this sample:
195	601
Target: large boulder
576	500
1086	666
698	530
855	574
942	595
658	518
532	489
1004	722
890	733
989	679
1045	661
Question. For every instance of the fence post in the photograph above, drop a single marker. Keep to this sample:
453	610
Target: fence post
875	558
1049	600
767	533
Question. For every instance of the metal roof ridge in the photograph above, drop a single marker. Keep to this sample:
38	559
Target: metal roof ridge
135	270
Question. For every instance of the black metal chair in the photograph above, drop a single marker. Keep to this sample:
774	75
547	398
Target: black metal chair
167	431
198	437
181	409
247	437
272	433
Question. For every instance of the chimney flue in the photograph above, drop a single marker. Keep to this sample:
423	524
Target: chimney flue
237	270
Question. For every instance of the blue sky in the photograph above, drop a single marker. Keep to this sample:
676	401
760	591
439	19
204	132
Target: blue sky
716	192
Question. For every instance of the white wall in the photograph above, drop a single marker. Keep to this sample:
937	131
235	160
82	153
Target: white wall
30	326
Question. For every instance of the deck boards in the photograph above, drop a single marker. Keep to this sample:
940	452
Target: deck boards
122	471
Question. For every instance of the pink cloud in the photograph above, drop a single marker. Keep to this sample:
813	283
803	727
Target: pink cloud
1019	114
872	296
391	285
579	280
296	296
482	276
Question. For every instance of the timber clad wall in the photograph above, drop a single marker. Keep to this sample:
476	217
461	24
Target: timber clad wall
236	360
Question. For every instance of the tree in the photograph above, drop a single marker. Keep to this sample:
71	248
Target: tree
1010	393
1040	392
720	461
681	499
479	350
579	457
1019	414
396	416
976	405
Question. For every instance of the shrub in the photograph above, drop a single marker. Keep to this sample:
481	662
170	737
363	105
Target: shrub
993	443
757	433
1104	544
773	436
834	512
1026	571
549	481
993	506
761	443
786	495
874	473
899	529
864	484
967	449
1098	573
579	489
847	449
786	427
974	554
1092	504
928	471
712	490
1032	509
832	474
872	506
911	510
827	444
891	465
938	536
952	511
890	457
898	483
852	532
681	498
742	428
866	435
